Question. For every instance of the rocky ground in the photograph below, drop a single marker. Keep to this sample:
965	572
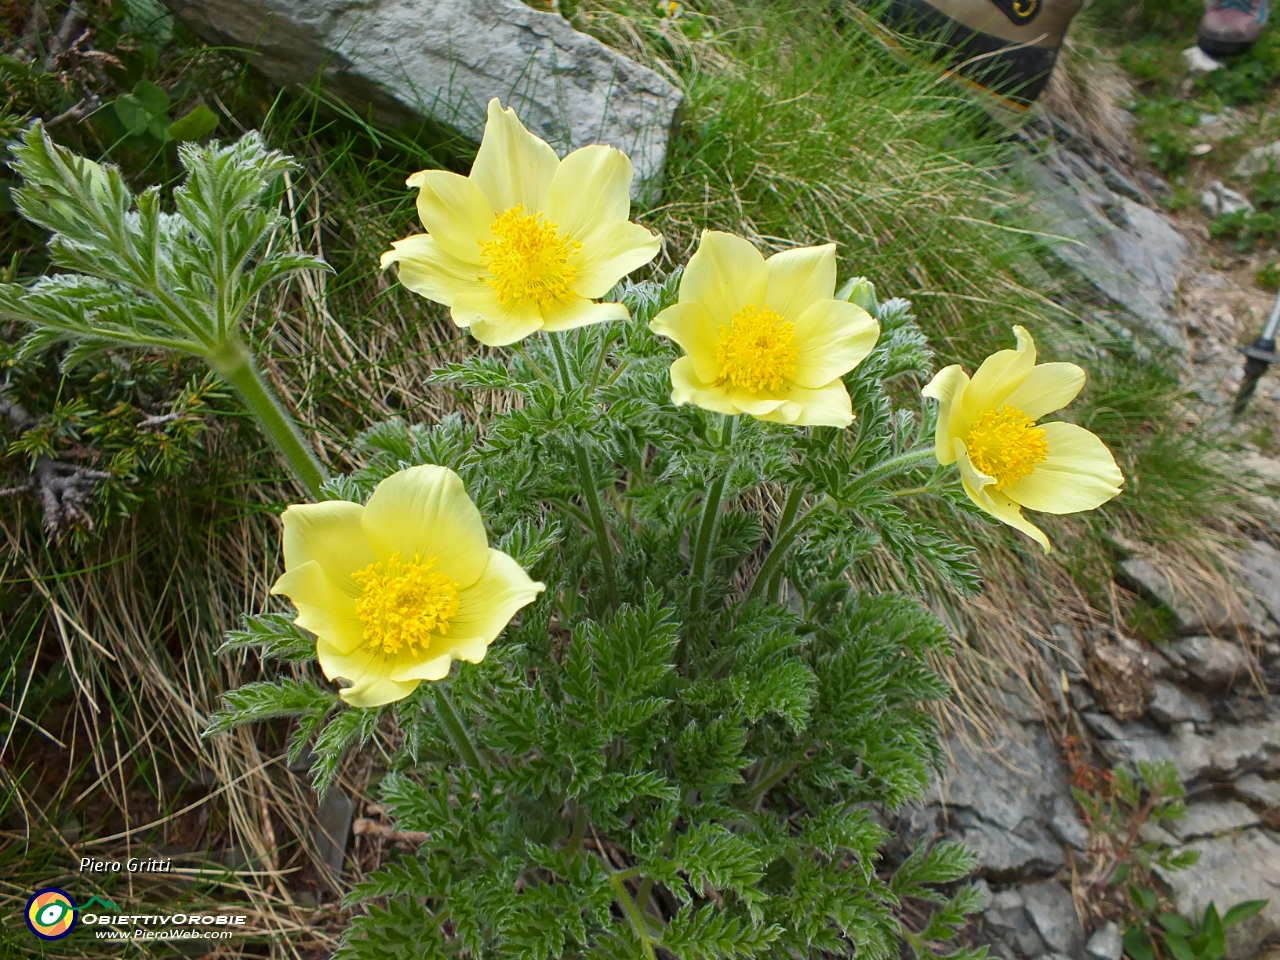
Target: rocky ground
1202	699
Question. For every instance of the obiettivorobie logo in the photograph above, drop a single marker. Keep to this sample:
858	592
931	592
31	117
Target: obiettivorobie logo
51	913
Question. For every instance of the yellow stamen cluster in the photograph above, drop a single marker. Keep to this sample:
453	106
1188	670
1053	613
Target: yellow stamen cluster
759	352
1006	444
404	604
528	260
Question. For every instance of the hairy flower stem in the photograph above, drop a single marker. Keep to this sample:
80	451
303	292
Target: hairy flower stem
710	511
456	731
590	490
789	510
635	914
233	362
778	552
592	496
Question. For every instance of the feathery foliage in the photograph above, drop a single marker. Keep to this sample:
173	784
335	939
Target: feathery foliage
661	754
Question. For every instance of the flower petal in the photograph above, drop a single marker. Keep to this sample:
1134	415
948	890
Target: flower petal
947	387
580	312
689	326
726	274
834	336
331	534
435	668
799	278
591	187
1000	374
425	511
486	607
369	673
827	406
1080	473
513	167
491	321
687	388
323	609
609	253
454	211
1048	387
980	488
427	270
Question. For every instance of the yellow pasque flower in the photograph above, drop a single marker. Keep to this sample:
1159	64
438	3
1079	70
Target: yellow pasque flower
765	337
528	241
1007	460
399	588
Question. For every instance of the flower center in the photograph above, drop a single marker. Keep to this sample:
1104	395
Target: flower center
758	352
528	260
1006	444
404	604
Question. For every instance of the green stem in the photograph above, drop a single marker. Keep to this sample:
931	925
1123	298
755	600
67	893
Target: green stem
574	843
778	552
233	362
636	916
767	783
558	349
592	496
789	510
536	369
456	731
710	511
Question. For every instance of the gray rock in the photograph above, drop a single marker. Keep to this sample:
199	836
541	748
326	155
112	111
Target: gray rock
1213	818
1005	855
1007	919
985	896
1256	790
1214	662
1069	650
1106	943
408	60
1243	866
1227	751
333	828
1105	726
1192	613
1258	160
1131	253
1053	914
1066	825
1153	833
1138	743
1220	200
1003	802
1260	568
1171	704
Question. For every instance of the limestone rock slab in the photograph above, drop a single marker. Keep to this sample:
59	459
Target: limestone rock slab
1171	704
1213	818
1214	662
1193	613
410	59
1053	913
1128	251
1231	869
1004	802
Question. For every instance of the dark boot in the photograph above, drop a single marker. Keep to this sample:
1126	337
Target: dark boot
1006	46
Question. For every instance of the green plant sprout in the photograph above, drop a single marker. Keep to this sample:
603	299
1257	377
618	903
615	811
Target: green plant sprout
136	276
1155	796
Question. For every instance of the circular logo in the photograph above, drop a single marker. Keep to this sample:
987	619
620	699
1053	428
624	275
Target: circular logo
51	913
